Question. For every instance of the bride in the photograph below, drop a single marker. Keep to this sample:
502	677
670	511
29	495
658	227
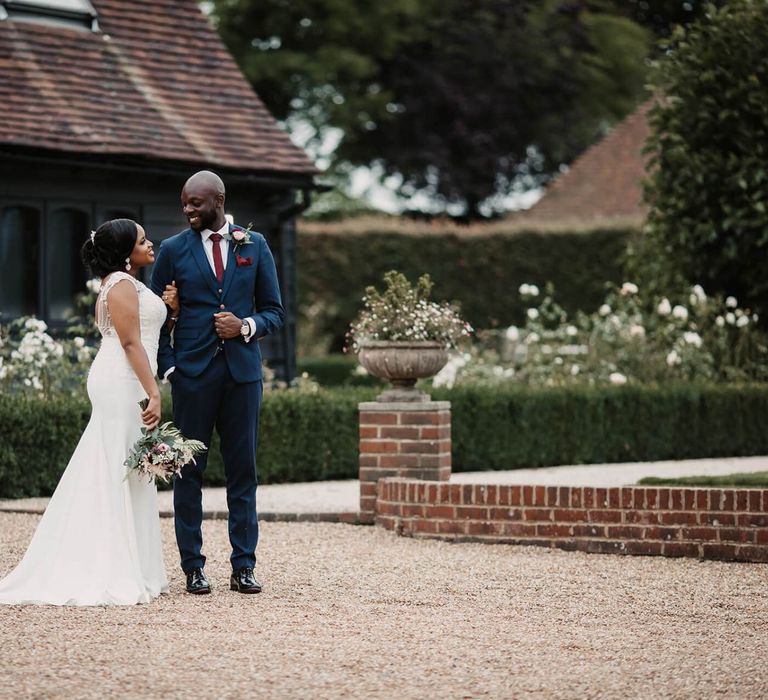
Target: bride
98	542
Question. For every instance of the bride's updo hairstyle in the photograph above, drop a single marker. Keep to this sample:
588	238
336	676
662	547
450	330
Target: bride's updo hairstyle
108	246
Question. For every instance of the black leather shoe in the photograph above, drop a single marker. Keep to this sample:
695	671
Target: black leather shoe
197	583
243	581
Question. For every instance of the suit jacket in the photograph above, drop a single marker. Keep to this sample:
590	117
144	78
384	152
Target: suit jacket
248	290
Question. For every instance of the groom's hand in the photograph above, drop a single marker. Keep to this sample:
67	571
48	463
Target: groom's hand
227	325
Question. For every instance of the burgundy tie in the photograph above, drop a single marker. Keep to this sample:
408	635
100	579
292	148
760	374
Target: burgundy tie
218	264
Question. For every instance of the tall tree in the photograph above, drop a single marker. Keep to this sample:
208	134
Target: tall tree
709	138
662	16
460	98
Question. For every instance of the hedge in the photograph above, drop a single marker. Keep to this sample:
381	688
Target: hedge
480	271
307	437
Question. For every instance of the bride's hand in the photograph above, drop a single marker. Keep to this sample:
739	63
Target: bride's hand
171	298
151	414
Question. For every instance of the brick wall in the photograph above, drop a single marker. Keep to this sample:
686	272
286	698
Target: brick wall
402	439
729	524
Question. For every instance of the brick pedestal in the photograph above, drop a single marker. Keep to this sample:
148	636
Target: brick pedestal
404	439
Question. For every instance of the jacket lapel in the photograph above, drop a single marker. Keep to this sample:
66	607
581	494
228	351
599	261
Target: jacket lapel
195	243
229	271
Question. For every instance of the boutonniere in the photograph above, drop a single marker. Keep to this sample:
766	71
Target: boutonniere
243	262
239	236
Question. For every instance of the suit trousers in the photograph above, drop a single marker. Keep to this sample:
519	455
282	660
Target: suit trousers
214	399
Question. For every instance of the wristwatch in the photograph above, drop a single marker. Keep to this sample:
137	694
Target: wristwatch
245	329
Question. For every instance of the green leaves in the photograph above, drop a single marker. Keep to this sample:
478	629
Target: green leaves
463	99
707	188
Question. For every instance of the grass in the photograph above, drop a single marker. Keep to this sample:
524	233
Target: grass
744	480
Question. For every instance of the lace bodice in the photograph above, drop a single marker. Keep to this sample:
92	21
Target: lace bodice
152	312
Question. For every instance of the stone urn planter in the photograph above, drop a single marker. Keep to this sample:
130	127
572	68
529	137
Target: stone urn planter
402	362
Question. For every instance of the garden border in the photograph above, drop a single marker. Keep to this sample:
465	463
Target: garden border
707	523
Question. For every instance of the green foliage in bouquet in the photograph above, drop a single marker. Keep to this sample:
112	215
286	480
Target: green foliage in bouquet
160	453
404	312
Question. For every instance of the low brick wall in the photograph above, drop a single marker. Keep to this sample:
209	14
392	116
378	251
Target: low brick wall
729	524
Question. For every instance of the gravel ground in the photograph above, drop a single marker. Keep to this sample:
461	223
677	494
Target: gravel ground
358	612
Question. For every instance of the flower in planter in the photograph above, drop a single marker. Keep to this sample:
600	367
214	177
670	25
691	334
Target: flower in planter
404	312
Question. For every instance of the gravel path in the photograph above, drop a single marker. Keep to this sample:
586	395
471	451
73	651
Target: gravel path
352	611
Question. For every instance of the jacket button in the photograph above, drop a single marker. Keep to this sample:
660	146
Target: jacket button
222	306
219	291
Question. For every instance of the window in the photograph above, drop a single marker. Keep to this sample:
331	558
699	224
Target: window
67	229
19	260
75	13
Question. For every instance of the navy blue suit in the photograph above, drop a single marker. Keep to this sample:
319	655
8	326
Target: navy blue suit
217	382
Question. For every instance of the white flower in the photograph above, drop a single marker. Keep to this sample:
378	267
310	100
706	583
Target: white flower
680	312
720	321
730	317
546	349
637	331
533	314
664	308
78	342
604	310
673	358
697	295
532	338
754	318
731	302
617	378
742	321
512	333
33	324
692	339
571	331
558	360
629	288
575	369
529	290
93	285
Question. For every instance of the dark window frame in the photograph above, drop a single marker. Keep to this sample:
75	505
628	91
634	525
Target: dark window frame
95	211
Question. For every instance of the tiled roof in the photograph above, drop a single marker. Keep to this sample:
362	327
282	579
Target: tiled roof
603	184
155	83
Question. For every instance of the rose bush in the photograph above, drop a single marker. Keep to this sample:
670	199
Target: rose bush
628	339
34	362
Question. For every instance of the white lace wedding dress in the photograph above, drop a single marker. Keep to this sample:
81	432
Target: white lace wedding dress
98	542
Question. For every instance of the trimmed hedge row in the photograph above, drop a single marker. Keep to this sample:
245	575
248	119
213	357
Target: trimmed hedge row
306	437
482	271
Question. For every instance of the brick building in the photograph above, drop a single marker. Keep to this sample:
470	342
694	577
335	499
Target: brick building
106	107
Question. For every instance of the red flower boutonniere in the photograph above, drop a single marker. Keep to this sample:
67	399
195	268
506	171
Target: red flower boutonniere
243	262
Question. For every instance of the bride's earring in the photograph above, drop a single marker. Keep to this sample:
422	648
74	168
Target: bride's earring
127	264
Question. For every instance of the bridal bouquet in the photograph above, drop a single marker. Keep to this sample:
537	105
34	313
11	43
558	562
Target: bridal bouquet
162	452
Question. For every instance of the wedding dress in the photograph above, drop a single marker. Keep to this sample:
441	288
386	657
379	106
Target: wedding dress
98	542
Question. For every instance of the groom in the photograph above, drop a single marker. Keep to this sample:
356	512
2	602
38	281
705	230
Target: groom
227	287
